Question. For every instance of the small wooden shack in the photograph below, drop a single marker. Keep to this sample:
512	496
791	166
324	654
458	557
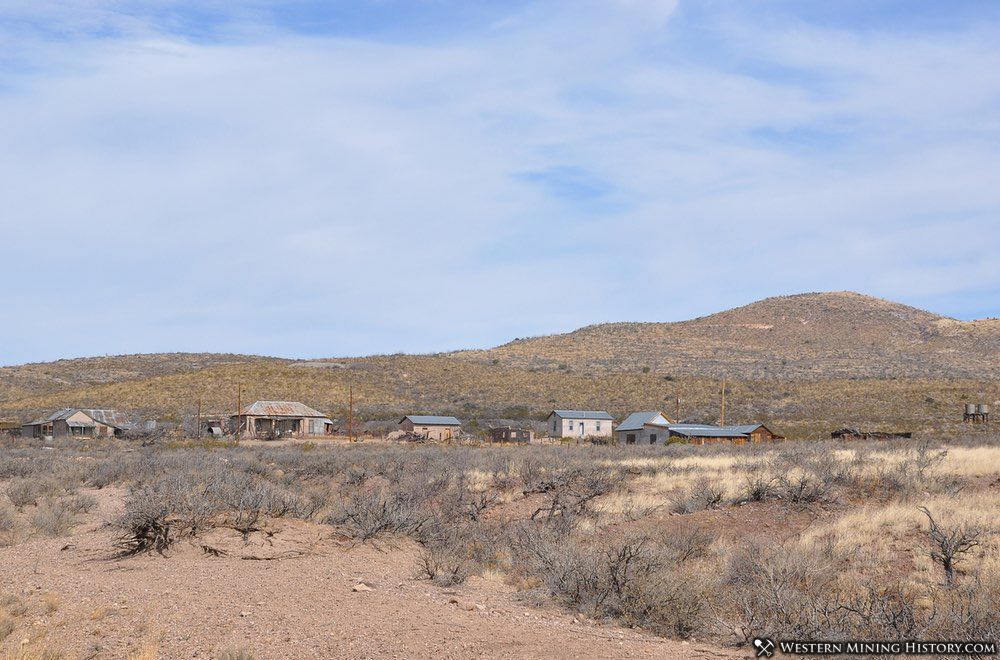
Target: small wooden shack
280	419
649	427
79	423
513	434
858	434
432	427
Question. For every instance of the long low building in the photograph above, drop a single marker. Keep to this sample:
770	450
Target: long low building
79	423
276	419
432	427
654	428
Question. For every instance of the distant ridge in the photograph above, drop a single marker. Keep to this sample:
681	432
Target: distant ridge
810	335
809	363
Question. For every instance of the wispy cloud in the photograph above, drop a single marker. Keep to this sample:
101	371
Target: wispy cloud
320	179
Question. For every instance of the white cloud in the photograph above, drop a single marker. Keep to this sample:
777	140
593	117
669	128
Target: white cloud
220	194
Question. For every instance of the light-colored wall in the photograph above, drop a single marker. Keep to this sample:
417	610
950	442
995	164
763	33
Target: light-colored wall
431	431
571	428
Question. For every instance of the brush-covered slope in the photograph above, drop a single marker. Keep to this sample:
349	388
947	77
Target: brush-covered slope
814	335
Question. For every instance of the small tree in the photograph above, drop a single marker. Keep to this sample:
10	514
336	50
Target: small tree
950	544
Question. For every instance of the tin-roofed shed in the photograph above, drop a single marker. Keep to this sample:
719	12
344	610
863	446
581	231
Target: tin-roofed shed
79	423
280	419
432	427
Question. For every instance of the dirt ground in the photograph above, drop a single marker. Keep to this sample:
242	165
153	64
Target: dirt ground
293	592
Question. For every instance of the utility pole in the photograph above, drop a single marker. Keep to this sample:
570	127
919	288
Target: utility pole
350	415
677	409
722	422
197	429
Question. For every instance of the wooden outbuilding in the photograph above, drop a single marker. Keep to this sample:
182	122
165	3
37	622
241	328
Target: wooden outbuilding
513	434
280	419
701	434
431	427
79	423
650	427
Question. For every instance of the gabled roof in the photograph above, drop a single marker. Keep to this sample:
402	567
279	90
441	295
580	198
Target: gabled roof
113	418
581	414
433	420
280	409
707	431
637	420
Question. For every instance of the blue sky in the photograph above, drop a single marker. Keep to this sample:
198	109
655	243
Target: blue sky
343	178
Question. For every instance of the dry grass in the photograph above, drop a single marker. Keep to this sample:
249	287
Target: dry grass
386	387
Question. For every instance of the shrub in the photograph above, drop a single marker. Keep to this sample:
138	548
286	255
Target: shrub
374	513
54	517
145	525
703	494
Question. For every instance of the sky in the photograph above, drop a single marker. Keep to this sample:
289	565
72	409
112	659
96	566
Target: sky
312	179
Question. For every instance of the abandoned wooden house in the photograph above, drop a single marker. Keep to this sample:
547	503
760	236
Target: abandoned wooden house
280	419
79	423
858	434
513	434
649	427
432	427
580	424
700	434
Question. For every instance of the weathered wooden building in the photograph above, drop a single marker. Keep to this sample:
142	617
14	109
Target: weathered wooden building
79	423
580	424
649	427
432	427
280	419
700	434
512	434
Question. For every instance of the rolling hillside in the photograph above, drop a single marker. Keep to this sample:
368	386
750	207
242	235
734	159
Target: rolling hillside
805	364
812	336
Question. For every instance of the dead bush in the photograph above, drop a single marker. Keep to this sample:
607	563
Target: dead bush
8	523
25	492
951	543
703	494
444	565
374	513
145	525
54	517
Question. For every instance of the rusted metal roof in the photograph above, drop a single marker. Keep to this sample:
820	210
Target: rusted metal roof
114	418
280	409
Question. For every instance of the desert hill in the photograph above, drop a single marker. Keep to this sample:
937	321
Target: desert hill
805	363
814	335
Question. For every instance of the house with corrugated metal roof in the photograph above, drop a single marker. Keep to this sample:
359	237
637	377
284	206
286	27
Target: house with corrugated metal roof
648	427
280	419
432	427
580	424
741	434
79	423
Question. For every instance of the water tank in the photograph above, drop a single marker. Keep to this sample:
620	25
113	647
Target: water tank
983	409
970	409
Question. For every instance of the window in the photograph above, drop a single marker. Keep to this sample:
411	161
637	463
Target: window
571	425
652	438
630	439
554	426
598	426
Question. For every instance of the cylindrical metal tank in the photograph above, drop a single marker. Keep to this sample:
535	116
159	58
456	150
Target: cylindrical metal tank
983	409
970	409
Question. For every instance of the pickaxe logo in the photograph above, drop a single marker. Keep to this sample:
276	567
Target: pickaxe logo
765	647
